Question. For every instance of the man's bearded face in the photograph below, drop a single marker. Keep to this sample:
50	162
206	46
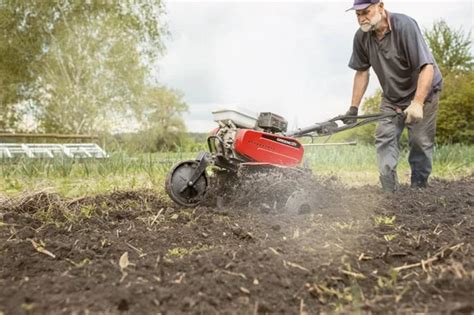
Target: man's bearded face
372	24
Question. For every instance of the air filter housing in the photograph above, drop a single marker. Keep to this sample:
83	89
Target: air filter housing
272	122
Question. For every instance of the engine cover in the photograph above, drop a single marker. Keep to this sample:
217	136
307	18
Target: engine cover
268	148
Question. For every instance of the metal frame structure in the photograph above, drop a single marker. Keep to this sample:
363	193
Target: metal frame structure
51	150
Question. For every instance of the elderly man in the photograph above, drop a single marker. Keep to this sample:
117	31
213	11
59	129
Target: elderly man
392	44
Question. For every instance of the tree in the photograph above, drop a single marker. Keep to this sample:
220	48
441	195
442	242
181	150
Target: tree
456	110
451	48
22	38
371	104
161	118
89	78
161	127
452	51
76	62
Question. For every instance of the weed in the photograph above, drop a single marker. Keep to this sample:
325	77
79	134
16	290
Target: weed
384	220
84	262
390	237
178	252
87	211
344	225
12	184
389	283
181	251
27	307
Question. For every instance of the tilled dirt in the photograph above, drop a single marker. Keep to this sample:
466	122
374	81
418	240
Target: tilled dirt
134	252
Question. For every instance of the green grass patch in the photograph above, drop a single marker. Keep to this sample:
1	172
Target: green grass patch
357	165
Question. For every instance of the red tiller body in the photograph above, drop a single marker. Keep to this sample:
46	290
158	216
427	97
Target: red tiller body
268	148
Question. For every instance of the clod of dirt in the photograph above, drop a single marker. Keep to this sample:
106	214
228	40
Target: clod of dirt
123	305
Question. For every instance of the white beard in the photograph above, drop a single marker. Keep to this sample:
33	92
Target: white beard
373	24
366	27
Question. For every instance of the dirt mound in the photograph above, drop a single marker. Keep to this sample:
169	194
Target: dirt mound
132	252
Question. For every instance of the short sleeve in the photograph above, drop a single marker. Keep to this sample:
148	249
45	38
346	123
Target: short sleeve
416	49
359	59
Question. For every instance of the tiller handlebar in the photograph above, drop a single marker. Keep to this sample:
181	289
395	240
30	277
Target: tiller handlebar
331	127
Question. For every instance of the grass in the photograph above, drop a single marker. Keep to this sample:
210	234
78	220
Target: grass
357	165
354	165
76	178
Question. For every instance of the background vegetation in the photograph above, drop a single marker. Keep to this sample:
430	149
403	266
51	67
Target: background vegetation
353	165
84	67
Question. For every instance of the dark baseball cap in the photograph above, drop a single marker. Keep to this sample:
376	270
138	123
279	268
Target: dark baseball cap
362	4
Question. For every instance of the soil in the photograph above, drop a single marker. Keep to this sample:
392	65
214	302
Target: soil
135	252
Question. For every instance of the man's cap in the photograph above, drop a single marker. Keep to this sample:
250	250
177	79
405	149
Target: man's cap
362	4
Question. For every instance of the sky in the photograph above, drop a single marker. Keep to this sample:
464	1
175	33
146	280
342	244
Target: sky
286	57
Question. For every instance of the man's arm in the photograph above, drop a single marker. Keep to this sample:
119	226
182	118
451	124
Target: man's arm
414	112
424	83
361	81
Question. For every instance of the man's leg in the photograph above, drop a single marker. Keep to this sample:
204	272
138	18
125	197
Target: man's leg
387	143
421	139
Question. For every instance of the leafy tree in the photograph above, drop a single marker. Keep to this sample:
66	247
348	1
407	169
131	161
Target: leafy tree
162	106
452	51
456	110
89	77
371	104
76	62
161	127
22	39
161	118
451	48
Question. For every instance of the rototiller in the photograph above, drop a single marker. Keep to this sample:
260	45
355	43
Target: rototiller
243	144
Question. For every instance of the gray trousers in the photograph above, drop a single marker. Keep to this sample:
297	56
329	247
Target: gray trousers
421	139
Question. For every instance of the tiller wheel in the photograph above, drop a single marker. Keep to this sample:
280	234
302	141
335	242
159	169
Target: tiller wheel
183	188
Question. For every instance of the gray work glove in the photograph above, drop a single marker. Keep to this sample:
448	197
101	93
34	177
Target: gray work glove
353	111
414	113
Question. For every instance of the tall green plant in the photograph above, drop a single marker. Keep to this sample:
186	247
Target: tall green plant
451	48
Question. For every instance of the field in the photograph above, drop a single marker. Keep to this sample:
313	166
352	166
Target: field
102	238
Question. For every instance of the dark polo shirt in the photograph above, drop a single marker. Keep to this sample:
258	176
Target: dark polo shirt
396	59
